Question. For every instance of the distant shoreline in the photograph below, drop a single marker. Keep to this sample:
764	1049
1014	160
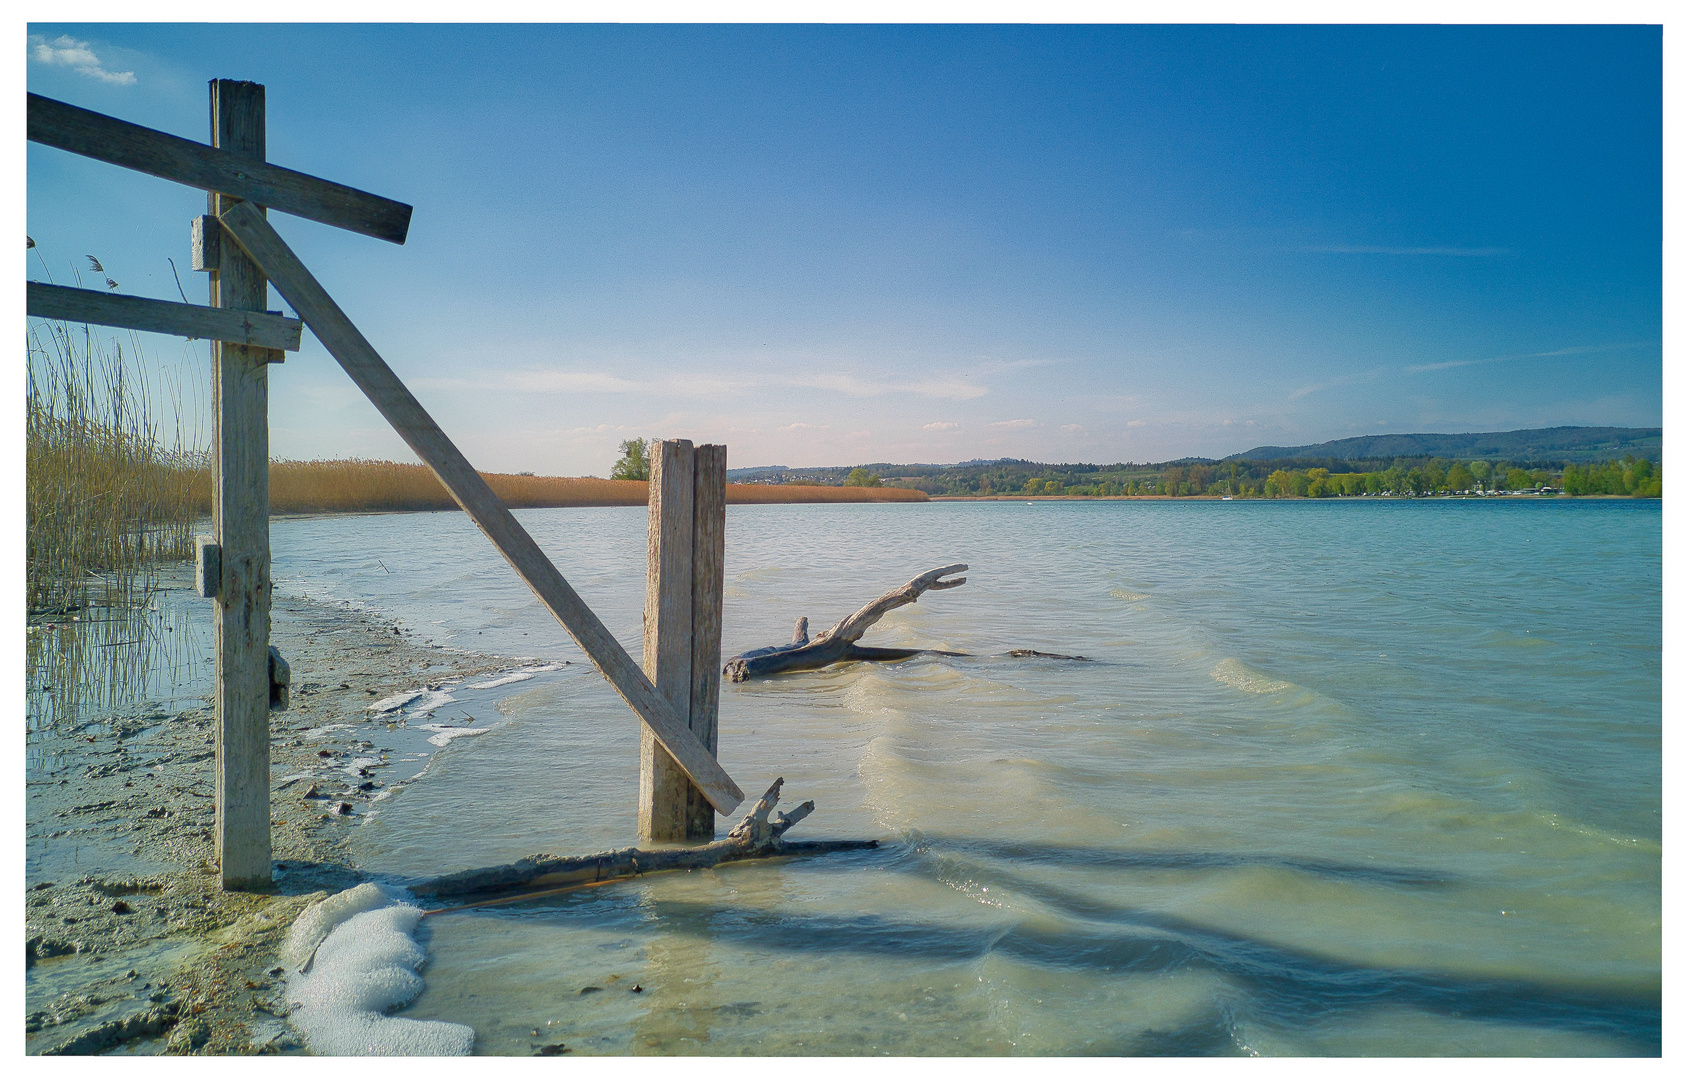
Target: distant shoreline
1257	498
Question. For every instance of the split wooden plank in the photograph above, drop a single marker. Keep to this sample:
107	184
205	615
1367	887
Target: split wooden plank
389	395
708	587
225	169
667	637
240	519
256	328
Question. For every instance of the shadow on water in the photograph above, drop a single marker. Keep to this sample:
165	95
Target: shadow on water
1290	988
1088	858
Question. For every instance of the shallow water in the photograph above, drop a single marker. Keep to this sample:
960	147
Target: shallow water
1359	777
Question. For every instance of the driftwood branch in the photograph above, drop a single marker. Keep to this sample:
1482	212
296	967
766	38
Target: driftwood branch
838	644
759	836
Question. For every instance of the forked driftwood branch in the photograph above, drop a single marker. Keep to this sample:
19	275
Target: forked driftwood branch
838	644
759	836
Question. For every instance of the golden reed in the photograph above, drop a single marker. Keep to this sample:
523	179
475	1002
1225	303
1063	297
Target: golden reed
359	485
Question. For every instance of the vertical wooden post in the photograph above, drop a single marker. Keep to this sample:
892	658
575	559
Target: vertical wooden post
240	517
682	615
708	586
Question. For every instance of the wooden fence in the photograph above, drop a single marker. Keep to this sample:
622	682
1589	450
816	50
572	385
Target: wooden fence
675	696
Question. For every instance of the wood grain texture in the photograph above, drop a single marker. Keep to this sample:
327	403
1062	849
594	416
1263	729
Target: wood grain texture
240	517
667	635
232	169
708	586
258	328
394	401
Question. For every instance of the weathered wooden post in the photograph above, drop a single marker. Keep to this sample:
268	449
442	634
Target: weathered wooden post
240	518
682	617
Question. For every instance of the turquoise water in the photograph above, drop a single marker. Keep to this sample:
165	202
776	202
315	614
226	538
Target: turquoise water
1362	777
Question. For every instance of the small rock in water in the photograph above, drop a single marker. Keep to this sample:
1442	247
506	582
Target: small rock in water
312	793
591	989
552	1050
276	970
120	908
345	808
637	989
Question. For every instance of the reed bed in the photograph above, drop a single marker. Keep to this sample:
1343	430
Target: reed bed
107	501
106	498
359	485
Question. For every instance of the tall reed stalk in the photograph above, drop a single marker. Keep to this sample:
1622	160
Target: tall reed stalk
107	498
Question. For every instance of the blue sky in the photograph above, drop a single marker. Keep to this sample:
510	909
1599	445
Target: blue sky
840	244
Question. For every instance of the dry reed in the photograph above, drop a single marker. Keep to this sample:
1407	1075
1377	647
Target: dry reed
105	497
358	485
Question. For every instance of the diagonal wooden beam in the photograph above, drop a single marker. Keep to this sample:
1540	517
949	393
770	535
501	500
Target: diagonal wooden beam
118	142
347	344
255	328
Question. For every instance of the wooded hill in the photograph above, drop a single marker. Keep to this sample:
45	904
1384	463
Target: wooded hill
1554	446
1542	452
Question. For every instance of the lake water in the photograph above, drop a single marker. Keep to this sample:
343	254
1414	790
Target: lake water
1363	777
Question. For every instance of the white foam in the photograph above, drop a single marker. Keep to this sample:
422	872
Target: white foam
512	677
396	702
363	961
445	732
318	732
430	701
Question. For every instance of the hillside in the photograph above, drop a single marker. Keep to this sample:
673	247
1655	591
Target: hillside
1559	444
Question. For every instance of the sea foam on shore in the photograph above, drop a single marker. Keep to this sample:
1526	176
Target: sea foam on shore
353	958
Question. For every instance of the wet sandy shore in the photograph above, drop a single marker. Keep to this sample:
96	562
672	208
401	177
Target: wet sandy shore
131	946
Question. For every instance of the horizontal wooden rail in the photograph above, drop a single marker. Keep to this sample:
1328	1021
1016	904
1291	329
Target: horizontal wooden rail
118	142
347	344
255	328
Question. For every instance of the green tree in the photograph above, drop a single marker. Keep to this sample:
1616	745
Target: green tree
1481	470
634	463
861	478
1459	478
1053	487
1033	485
1517	480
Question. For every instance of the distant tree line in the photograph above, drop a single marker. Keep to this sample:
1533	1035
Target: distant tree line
1312	478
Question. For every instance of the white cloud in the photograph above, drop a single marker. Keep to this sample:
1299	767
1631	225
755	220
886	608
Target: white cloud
941	425
1136	423
1073	429
1014	423
66	51
799	426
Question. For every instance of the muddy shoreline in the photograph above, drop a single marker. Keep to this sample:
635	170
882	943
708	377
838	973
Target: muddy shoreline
131	946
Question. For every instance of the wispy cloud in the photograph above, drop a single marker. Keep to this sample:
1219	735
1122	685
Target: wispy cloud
1014	423
1373	249
66	51
1341	380
553	381
941	425
800	426
1576	350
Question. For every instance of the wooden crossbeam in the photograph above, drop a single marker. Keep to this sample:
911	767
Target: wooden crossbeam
118	142
254	328
393	399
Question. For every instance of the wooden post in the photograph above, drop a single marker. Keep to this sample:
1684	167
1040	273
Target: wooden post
682	613
240	517
248	228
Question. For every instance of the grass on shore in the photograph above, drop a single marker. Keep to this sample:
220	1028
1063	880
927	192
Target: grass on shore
358	485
